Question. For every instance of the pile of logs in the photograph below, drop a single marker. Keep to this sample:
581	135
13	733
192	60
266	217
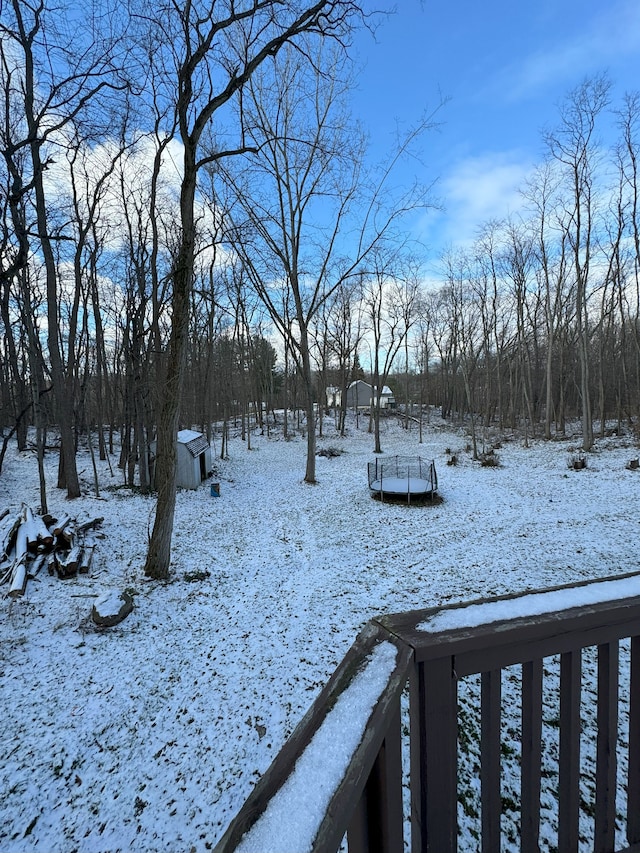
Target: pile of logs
28	542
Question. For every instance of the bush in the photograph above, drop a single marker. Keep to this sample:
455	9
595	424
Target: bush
330	452
489	460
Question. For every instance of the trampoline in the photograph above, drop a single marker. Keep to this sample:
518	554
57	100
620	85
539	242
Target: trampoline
406	478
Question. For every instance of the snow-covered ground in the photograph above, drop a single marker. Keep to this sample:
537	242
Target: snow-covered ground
149	736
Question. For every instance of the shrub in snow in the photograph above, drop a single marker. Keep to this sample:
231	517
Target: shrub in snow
489	459
329	452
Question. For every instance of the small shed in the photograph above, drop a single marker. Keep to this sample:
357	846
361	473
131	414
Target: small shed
359	395
194	459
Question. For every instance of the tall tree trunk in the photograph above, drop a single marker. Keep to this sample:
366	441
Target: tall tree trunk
63	400
159	553
307	378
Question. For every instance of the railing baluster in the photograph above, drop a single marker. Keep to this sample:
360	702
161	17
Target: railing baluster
531	755
633	779
434	758
606	764
569	765
490	760
377	822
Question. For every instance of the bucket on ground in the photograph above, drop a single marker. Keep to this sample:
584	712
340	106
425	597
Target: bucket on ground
215	490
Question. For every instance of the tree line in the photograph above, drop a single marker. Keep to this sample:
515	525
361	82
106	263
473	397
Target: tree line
191	234
538	321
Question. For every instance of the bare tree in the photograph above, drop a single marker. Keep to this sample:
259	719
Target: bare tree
489	289
54	76
300	195
550	248
628	285
344	327
573	146
390	299
299	165
516	263
464	308
212	49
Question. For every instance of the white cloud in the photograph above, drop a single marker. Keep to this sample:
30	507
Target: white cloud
477	190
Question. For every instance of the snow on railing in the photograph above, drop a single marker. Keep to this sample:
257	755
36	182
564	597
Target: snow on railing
312	795
291	821
285	810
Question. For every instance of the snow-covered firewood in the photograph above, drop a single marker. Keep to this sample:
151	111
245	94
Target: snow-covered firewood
112	608
43	535
19	578
23	532
68	566
68	535
34	530
60	524
9	532
36	565
87	557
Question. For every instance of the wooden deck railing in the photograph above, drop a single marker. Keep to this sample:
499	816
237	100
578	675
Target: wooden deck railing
433	650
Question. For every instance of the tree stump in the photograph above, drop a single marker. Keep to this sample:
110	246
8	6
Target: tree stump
578	463
112	608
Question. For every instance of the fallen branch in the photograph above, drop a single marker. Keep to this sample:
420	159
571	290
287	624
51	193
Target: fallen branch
88	525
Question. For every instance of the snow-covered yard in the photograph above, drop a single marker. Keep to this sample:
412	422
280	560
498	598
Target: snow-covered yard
148	736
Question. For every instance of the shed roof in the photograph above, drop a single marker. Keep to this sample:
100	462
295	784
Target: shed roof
195	442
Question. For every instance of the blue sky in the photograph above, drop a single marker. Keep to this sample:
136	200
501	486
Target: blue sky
504	68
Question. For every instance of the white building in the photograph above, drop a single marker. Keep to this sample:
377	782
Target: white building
194	459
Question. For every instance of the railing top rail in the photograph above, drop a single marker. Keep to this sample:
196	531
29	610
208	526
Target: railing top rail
331	827
548	621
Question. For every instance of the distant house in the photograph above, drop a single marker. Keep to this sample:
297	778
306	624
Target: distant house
194	459
361	395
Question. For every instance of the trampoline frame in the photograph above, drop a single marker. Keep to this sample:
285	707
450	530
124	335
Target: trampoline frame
408	477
